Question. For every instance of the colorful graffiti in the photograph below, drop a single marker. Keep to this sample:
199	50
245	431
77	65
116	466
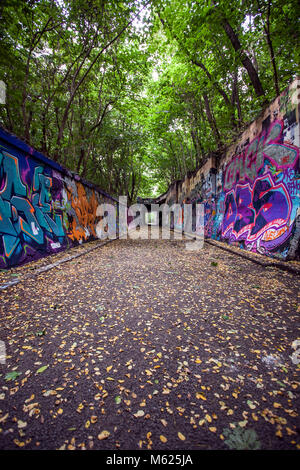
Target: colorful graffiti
256	196
27	217
252	198
259	187
43	211
261	212
248	164
84	218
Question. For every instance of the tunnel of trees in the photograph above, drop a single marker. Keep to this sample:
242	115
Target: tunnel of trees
133	95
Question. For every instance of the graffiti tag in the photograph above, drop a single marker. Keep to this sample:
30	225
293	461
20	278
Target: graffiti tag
25	215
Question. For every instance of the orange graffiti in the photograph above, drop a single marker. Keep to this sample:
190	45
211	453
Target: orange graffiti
85	210
272	234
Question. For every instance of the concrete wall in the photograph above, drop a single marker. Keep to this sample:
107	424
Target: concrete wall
44	208
252	194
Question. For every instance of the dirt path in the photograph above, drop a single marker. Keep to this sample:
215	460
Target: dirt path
145	345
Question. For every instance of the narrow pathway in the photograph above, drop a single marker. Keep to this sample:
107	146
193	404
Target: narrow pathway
144	345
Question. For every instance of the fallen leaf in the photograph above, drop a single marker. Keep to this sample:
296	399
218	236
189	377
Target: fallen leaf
103	435
42	369
200	396
12	375
251	404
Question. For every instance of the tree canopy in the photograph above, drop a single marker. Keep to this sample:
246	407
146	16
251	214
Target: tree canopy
133	94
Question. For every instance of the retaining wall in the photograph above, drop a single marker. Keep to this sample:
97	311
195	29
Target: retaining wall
44	208
251	193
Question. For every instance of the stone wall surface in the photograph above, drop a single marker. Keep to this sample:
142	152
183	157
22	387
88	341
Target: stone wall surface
251	195
45	208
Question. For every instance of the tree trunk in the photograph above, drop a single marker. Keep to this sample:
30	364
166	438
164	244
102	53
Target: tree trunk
212	120
253	75
236	99
85	74
270	45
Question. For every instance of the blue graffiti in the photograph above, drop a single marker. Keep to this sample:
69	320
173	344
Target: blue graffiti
26	215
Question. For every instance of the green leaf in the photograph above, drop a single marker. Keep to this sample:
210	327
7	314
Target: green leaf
42	369
41	333
12	375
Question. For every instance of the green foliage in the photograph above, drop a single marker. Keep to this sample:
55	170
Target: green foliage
133	95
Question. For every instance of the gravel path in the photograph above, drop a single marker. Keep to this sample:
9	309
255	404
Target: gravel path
142	344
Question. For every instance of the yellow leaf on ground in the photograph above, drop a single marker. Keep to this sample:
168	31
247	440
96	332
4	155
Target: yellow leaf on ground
200	395
80	407
19	443
103	435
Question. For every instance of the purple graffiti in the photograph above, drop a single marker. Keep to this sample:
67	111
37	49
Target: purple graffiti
247	165
259	186
251	211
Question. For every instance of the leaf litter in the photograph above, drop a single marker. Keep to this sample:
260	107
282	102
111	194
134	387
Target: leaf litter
161	349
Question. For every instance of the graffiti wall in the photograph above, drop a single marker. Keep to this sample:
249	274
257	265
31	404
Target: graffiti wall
262	190
251	194
43	207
